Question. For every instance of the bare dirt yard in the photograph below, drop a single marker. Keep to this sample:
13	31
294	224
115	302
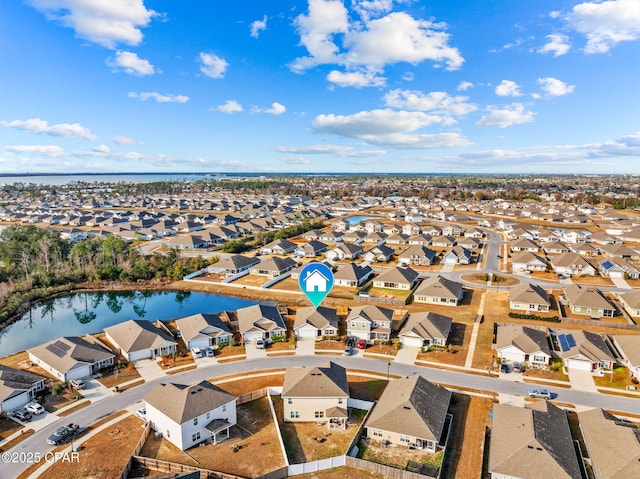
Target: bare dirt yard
465	312
457	352
341	473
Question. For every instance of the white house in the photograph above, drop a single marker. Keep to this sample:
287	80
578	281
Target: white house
189	415
18	387
316	322
203	330
522	344
140	339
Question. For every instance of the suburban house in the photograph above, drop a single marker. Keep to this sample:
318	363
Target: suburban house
234	264
603	434
140	339
443	241
378	253
273	267
631	303
352	275
260	321
189	415
528	262
203	330
344	251
311	249
417	255
529	297
572	264
370	322
457	255
628	346
439	290
618	268
71	357
531	442
316	394
523	344
555	247
411	412
397	278
425	329
18	387
423	239
584	351
589	301
315	322
524	244
279	246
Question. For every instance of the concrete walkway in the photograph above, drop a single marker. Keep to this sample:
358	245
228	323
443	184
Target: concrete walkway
149	369
511	399
620	283
582	380
447	268
253	352
407	355
306	347
474	333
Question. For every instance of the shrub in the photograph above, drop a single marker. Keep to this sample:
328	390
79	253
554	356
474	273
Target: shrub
534	317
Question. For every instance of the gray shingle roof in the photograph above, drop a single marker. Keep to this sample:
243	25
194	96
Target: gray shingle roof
259	317
319	318
15	381
439	287
201	325
75	351
136	335
328	380
428	325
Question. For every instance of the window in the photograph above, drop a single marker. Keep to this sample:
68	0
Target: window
405	439
294	414
195	436
195	422
319	414
224	408
339	400
376	433
168	434
539	359
208	416
289	400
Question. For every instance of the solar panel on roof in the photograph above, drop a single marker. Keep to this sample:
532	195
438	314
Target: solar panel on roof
54	349
564	344
570	341
64	346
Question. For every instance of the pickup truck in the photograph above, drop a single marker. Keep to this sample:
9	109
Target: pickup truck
62	434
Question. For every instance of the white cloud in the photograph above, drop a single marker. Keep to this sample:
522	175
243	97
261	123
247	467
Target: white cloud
258	26
514	114
557	43
159	97
508	88
337	150
605	24
554	87
464	85
298	160
37	125
106	23
51	151
438	102
369	44
101	149
406	141
276	109
230	106
123	140
355	79
212	65
131	64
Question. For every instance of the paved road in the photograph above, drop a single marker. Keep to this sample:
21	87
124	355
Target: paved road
99	409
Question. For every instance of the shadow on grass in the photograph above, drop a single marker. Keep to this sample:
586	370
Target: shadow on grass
459	408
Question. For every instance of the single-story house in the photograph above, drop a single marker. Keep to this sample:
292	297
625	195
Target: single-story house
630	302
273	267
522	344
584	351
417	255
203	330
457	255
411	412
425	329
279	246
529	297
378	253
344	251
628	345
234	264
140	339
315	322
316	394
260	321
18	387
528	262
572	264
439	290
352	275
589	301
71	357
525	244
188	415
311	249
397	278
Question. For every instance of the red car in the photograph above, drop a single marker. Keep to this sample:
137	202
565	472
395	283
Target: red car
361	344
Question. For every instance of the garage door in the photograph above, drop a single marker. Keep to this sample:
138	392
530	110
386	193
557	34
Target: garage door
249	337
578	365
360	334
516	356
407	341
306	332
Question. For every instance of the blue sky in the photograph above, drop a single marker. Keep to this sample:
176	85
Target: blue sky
527	86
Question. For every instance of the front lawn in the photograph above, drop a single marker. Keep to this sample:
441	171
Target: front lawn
620	379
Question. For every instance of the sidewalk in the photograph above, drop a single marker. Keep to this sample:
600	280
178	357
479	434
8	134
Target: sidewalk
474	333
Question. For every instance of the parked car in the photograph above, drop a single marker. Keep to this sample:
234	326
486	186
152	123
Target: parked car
517	368
34	408
62	434
209	352
22	415
77	384
362	344
261	344
351	341
348	350
539	393
142	413
197	352
504	368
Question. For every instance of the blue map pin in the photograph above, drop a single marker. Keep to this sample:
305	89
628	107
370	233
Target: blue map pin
315	281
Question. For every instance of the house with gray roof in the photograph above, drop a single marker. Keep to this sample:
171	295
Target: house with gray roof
188	415
417	255
203	330
140	339
424	329
411	412
458	255
529	297
584	351
378	253
349	251
71	357
523	344
352	275
315	323
279	246
370	322
316	394
273	267
590	301
260	321
18	387
311	249
439	290
397	278
613	446
532	442
233	264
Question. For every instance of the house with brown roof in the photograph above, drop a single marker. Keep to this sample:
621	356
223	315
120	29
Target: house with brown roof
316	394
584	351
523	344
417	255
457	255
411	412
613	446
424	329
140	339
315	322
529	297
528	262
260	321
439	290
572	264
630	302
203	330
370	322
188	415
628	345
589	301
532	442
397	278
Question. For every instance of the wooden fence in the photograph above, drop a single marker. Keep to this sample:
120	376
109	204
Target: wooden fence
252	396
382	470
173	467
136	450
373	299
603	324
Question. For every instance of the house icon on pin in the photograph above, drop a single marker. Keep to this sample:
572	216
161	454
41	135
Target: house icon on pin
315	282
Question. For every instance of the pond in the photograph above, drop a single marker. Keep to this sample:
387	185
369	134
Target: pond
86	313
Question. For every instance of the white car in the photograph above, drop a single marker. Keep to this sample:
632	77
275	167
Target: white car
77	384
34	408
142	413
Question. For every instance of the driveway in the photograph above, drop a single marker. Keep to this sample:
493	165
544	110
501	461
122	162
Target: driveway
620	282
149	369
582	380
253	352
407	355
306	347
